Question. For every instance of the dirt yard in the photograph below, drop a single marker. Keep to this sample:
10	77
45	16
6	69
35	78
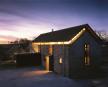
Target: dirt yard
36	77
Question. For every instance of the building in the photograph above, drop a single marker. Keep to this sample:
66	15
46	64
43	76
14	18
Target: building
69	50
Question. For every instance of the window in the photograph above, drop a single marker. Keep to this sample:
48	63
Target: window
60	60
87	54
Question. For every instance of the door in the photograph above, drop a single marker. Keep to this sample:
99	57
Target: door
49	63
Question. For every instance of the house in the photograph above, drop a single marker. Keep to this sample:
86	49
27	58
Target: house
69	50
105	54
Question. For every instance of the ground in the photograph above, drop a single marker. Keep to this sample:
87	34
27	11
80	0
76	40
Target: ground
36	77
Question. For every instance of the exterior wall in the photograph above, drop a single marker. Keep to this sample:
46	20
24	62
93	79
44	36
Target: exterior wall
58	51
61	51
105	53
44	50
76	52
35	48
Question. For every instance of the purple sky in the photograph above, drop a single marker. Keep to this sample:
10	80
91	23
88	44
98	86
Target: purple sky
29	18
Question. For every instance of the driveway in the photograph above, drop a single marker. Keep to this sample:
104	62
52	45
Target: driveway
35	77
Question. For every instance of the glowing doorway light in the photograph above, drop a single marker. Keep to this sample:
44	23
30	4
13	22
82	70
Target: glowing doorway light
47	63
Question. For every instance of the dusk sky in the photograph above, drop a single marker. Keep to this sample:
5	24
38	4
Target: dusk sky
29	18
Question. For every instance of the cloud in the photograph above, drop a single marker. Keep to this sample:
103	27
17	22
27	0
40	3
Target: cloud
29	18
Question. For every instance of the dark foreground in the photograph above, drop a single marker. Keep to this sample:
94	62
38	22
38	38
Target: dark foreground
36	77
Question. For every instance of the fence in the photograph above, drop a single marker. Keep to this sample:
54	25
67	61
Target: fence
28	59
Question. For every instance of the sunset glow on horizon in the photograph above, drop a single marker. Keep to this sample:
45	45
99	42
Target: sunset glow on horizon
29	18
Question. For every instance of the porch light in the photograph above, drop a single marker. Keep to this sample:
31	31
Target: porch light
60	60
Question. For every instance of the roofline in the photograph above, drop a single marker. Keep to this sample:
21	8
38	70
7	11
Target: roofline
93	33
86	27
72	40
61	30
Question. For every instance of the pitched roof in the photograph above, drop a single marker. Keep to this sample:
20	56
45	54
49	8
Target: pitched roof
63	34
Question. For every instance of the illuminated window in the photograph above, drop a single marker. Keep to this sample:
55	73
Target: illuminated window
60	60
87	55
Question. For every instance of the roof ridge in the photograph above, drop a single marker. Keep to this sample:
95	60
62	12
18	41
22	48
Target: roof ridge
66	28
64	34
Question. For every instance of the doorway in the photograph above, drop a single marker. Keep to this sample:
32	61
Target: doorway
49	63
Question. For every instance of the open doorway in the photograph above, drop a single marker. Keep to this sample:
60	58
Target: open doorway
49	63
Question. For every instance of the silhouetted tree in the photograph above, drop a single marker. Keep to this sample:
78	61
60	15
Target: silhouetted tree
103	35
20	46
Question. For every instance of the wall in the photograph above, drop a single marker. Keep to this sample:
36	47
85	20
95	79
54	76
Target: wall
76	53
44	49
58	51
105	54
61	51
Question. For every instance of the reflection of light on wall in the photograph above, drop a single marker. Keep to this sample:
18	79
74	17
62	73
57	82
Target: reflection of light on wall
35	48
47	63
60	43
50	49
